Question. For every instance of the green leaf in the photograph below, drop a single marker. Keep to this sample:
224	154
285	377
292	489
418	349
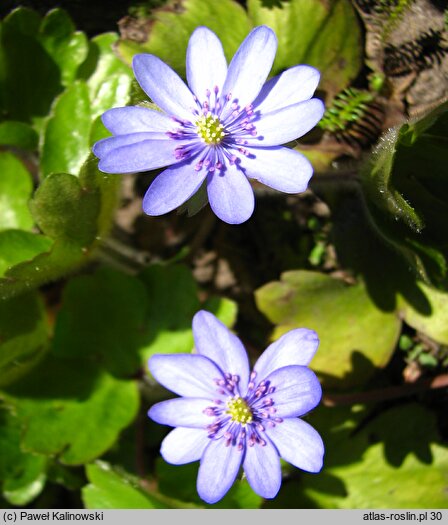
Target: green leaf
23	474
23	336
393	461
406	192
102	318
65	210
173	25
325	35
109	80
351	227
16	186
29	78
109	489
435	322
67	47
71	409
62	258
17	246
355	337
66	137
77	212
173	301
18	135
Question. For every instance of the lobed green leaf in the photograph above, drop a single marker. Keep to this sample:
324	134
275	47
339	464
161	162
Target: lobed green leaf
356	338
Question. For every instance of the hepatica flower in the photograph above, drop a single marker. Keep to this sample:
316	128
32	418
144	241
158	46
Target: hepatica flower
222	129
230	417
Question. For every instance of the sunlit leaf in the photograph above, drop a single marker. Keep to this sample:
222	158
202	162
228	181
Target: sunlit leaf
22	473
71	409
435	322
325	35
356	338
75	212
394	461
109	489
17	246
66	137
172	27
16	186
110	81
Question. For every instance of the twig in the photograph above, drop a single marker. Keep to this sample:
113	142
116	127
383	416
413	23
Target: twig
383	394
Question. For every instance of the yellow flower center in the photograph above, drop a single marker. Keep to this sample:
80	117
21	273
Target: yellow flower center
210	129
239	410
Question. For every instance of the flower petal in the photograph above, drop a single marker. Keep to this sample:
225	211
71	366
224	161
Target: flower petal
104	146
250	66
184	445
172	188
218	470
164	86
262	468
287	124
140	156
186	374
297	390
182	412
206	63
230	195
282	169
296	347
216	341
133	119
298	443
294	85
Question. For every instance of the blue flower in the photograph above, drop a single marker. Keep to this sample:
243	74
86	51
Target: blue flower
225	127
229	416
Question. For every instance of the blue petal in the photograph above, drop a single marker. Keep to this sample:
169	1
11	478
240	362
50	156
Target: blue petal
184	445
297	390
105	146
133	119
287	124
218	470
206	63
182	412
186	374
216	341
262	468
296	347
172	188
250	66
141	156
282	169
294	85
298	443
164	86
230	195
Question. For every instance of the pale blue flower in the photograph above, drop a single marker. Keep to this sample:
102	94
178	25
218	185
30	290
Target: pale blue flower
225	127
230	417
